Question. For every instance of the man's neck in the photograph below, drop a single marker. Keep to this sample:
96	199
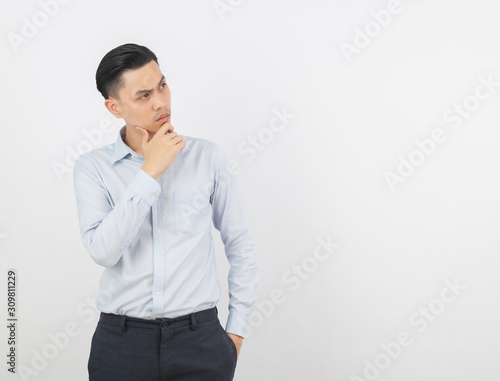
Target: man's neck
133	138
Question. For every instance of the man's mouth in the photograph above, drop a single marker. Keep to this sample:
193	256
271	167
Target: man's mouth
163	117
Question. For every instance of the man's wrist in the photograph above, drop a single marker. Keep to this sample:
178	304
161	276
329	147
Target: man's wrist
151	173
145	187
236	336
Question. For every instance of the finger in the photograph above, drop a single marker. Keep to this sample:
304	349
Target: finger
165	127
181	143
171	136
177	139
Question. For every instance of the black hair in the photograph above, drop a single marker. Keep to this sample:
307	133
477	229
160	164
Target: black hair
122	58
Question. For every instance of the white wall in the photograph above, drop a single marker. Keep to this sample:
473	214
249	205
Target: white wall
359	103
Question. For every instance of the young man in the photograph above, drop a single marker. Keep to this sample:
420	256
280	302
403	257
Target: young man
145	205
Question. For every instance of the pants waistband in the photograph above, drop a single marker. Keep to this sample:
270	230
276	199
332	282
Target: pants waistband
190	319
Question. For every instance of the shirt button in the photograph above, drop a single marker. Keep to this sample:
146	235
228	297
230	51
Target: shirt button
157	230
138	224
153	197
157	292
159	261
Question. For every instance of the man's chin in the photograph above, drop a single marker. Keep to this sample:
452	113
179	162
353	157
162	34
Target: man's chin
151	130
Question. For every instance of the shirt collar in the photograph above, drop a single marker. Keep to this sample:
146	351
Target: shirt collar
121	149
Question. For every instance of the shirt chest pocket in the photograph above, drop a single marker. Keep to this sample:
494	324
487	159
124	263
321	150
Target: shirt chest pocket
191	212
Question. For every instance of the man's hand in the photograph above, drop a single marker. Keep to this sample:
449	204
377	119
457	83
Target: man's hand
238	342
160	151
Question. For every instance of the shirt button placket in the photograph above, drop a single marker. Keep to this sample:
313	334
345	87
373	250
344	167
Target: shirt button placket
158	249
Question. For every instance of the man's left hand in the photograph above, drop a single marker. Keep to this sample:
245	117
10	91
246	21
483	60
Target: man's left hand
238	342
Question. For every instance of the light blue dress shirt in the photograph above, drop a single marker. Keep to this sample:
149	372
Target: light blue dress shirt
154	237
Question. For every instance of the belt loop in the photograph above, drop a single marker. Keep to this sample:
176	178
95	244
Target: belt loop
122	323
193	322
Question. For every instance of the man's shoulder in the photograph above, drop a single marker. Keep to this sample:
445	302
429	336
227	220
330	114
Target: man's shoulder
97	154
104	153
198	142
200	145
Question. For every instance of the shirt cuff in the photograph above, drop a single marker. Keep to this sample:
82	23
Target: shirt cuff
237	323
144	186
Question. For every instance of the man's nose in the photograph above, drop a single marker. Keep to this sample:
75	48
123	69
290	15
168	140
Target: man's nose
158	102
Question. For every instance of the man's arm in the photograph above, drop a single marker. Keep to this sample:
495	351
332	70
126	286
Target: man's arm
230	218
107	231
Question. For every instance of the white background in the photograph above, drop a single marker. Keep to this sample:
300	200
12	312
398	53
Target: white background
356	117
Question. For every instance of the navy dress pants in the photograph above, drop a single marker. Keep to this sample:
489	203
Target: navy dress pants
194	347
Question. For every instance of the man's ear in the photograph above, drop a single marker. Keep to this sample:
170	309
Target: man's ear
113	107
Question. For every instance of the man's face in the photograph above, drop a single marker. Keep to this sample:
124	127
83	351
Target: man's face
144	97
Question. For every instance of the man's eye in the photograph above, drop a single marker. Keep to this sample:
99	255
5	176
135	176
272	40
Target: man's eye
163	85
144	96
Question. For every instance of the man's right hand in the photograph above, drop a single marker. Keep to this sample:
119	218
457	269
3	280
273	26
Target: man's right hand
160	151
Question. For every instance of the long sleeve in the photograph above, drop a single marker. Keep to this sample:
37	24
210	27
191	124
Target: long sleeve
230	218
107	230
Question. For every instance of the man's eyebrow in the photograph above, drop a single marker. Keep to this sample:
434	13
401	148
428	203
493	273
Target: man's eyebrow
139	92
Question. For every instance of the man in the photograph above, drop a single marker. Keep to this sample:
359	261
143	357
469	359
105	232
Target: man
144	206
